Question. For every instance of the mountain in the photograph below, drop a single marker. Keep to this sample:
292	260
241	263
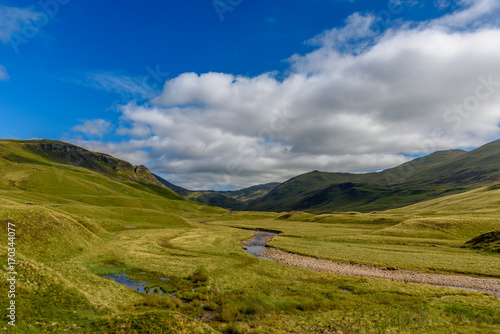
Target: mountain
100	162
251	193
66	210
54	172
63	197
438	174
181	191
234	200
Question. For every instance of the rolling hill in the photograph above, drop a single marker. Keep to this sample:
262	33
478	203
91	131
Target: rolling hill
81	217
65	203
438	174
51	175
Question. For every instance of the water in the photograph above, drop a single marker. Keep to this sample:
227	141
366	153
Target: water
139	286
495	293
346	291
257	246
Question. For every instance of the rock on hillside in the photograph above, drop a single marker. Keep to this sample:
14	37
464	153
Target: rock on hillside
80	157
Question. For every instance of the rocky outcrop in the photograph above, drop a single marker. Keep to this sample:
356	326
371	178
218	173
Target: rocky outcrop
77	156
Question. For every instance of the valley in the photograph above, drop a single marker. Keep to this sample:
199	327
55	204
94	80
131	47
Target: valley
81	216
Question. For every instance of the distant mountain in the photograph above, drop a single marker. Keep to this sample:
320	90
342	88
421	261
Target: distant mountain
438	174
251	193
181	191
234	200
215	198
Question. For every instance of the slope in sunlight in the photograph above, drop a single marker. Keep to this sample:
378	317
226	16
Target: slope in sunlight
438	174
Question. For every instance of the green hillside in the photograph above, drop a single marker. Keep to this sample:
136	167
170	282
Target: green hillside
489	241
439	174
66	202
179	190
252	193
80	215
233	200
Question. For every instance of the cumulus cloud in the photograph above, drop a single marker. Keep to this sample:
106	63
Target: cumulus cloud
3	73
94	128
360	101
12	20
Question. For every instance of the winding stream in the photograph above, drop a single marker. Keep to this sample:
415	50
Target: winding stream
257	247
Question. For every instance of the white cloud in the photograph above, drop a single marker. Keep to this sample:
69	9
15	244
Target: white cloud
129	87
94	128
358	102
354	37
477	13
12	20
3	73
442	4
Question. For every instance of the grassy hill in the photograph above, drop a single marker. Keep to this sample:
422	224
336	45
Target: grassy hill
66	202
77	218
438	174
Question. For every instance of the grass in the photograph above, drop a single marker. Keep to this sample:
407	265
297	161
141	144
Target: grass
419	180
487	241
388	239
245	293
74	233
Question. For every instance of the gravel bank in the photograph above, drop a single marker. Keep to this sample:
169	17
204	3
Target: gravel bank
400	275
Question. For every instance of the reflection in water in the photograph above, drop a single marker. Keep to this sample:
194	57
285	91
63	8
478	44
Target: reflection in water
257	245
496	293
139	286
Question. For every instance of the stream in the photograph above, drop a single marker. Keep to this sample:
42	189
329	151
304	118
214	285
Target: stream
257	247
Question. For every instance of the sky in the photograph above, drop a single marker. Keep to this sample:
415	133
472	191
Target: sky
225	94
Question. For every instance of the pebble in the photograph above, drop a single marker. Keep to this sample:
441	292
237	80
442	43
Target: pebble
401	275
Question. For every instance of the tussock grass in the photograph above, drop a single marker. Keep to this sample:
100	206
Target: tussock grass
75	230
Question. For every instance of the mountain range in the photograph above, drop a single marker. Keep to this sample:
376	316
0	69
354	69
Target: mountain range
438	174
435	175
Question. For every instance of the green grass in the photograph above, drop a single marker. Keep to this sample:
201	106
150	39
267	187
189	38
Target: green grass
489	241
76	231
433	176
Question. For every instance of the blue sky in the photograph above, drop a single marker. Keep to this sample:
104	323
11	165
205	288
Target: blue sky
232	93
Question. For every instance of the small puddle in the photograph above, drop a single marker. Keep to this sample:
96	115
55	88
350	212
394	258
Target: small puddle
139	286
495	293
257	245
